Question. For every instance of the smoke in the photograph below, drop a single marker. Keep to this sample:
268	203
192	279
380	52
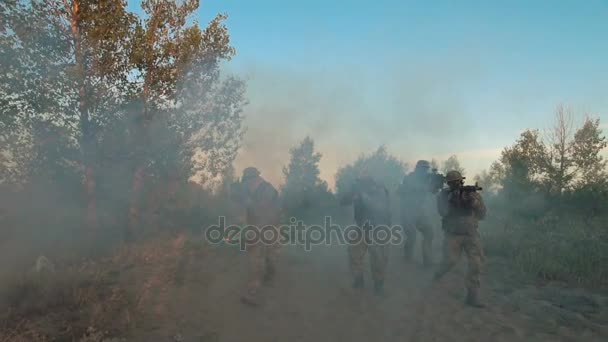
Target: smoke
416	110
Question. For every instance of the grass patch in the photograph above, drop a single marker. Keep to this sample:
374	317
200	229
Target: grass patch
569	251
69	304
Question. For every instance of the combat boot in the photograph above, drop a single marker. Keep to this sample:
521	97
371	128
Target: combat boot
358	283
473	298
379	288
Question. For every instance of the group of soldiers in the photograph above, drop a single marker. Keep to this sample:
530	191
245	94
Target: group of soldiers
460	208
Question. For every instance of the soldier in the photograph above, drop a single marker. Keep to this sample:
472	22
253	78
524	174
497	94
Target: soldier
371	208
415	194
461	211
262	209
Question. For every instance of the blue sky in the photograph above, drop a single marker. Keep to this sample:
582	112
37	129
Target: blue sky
426	78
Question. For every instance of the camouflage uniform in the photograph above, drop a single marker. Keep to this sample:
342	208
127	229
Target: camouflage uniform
372	208
461	213
415	194
262	209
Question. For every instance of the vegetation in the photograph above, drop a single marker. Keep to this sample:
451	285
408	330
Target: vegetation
549	204
115	127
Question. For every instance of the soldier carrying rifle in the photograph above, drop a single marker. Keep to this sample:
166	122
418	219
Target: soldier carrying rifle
416	195
461	208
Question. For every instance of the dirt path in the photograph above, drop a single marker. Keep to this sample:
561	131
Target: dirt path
312	301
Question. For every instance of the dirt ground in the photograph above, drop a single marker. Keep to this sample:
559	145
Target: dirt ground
312	300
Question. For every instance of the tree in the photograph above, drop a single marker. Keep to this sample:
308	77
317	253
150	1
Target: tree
559	162
452	163
185	107
70	63
303	187
33	77
588	143
490	179
380	165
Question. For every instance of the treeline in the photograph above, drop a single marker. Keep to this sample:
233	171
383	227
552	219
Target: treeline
560	170
547	196
103	107
549	201
105	116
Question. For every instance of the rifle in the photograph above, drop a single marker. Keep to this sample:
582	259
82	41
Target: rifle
471	188
466	189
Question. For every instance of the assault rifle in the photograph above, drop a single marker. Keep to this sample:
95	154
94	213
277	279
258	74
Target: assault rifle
471	188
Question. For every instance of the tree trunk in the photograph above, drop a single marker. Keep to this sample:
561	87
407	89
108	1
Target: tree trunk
139	175
134	203
86	141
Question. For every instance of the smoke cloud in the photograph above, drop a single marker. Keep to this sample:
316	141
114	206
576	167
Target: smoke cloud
416	112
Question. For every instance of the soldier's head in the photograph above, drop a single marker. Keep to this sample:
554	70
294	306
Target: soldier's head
454	179
250	175
422	166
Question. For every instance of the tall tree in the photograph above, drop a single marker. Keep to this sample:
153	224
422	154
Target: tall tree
522	164
100	33
380	165
560	164
303	186
589	142
452	163
71	67
185	106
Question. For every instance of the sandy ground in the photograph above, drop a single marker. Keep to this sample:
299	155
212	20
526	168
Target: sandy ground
312	300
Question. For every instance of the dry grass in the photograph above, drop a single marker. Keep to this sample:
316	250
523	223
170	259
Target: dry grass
552	249
68	304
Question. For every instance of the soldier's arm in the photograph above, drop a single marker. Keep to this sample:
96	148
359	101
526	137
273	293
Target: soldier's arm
405	193
478	205
443	206
269	203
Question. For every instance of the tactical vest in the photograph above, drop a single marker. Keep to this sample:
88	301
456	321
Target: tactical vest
461	218
263	205
371	205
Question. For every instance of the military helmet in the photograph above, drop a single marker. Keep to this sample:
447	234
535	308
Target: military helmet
453	175
423	164
250	172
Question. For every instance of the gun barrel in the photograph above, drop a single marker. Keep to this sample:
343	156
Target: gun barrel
471	188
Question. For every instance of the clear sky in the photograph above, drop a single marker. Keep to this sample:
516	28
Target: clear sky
426	78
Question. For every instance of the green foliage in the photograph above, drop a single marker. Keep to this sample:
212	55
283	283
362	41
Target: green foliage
570	250
90	84
188	108
588	143
303	190
452	163
548	210
380	165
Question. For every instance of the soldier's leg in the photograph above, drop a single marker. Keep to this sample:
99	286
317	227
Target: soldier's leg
474	251
356	253
427	243
255	256
273	252
379	263
452	247
410	241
